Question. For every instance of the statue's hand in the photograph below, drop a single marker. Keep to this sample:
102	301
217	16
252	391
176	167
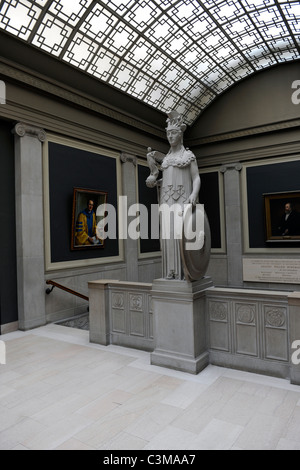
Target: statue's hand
151	181
193	199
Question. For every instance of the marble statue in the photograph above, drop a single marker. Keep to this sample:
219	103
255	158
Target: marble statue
180	185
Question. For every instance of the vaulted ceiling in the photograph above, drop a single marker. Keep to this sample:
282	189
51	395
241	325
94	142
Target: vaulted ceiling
169	54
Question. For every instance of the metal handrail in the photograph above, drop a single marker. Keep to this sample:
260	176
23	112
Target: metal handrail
71	291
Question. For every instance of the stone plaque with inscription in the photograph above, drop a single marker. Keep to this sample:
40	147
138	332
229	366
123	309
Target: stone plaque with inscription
271	270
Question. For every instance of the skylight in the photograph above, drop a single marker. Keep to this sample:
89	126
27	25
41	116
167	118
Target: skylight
170	54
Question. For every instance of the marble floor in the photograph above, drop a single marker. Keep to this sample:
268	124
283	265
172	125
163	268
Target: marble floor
58	391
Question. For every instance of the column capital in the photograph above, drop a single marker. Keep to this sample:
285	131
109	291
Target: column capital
231	166
21	129
126	157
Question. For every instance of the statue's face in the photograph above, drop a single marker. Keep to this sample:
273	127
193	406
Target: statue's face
174	136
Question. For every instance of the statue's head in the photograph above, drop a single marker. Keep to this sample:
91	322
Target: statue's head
175	121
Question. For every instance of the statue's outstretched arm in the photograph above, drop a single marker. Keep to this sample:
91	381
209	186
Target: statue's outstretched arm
153	157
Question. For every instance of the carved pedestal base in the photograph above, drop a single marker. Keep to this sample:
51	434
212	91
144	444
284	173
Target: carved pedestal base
180	324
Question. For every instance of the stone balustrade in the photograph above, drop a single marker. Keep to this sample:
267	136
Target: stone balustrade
251	330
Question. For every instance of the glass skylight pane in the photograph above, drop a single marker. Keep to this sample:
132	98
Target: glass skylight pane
191	114
164	4
212	77
177	44
224	52
203	66
19	18
251	5
142	14
120	38
286	55
157	64
222	85
256	52
155	95
171	75
226	10
210	41
162	52
99	23
191	56
119	6
122	76
194	92
291	11
185	11
160	31
264	62
103	65
42	3
140	86
201	26
266	17
188	111
52	35
205	99
140	53
169	102
81	51
69	11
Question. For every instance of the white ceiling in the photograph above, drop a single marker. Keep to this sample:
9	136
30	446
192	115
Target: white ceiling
170	54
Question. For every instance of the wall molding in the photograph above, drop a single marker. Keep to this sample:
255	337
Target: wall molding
246	132
254	153
61	91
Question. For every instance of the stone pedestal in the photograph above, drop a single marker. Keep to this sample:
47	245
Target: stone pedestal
180	324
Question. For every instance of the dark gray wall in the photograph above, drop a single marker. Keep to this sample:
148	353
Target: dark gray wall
8	271
262	99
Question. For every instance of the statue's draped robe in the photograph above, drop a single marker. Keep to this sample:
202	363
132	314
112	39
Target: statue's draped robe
176	187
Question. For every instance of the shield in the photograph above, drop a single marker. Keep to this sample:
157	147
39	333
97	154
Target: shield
195	242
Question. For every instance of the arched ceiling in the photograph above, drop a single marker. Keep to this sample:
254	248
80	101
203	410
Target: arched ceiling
170	54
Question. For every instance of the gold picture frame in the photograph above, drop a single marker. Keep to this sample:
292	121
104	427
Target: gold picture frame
87	232
278	227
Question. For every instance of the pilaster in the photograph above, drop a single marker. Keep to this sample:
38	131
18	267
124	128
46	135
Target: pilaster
233	214
29	223
129	163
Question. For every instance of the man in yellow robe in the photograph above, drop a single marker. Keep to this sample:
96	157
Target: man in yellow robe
85	232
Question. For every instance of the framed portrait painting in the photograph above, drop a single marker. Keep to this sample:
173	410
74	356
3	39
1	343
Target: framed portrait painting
282	216
87	230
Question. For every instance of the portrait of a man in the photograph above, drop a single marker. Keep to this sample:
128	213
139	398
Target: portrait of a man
290	221
282	215
85	219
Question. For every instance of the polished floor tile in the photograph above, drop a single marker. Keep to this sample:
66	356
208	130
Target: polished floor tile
60	392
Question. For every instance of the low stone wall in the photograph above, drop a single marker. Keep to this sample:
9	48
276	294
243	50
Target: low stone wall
251	330
120	313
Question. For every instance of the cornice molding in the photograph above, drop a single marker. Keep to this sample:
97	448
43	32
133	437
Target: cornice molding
62	126
40	83
245	133
269	151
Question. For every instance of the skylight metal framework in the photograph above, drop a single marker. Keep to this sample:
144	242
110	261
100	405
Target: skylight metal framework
167	53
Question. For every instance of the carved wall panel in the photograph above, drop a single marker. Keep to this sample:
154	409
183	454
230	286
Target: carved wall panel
219	325
275	332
